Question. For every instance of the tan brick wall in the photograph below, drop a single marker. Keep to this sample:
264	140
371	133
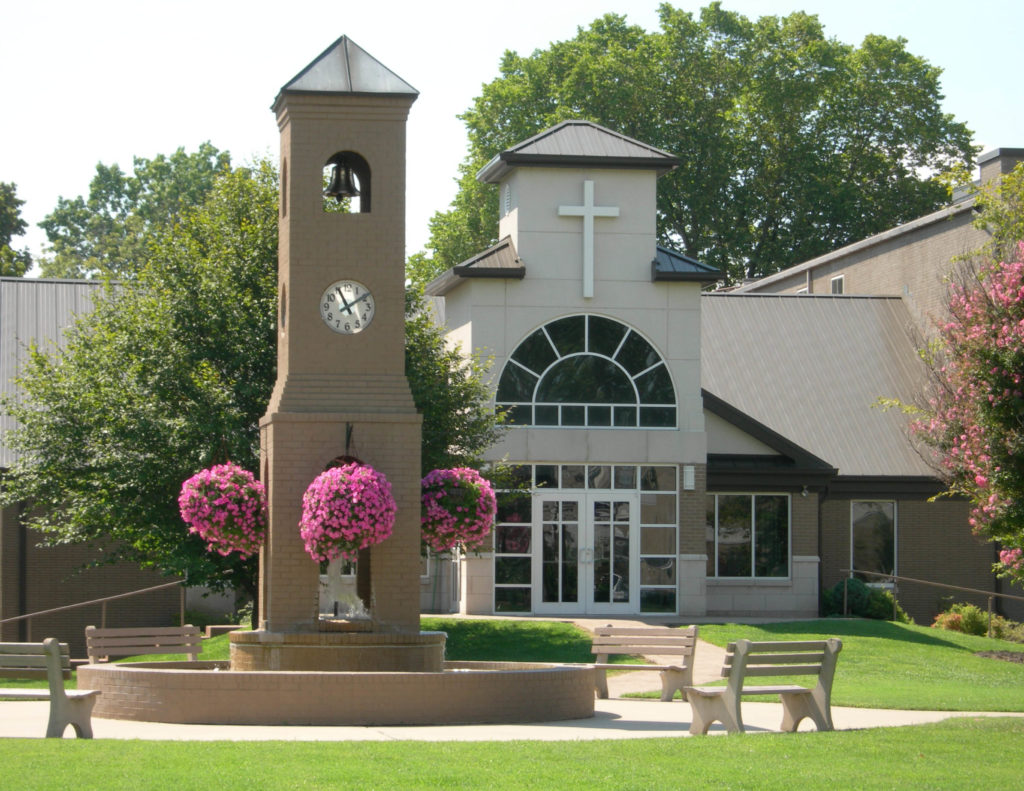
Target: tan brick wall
934	543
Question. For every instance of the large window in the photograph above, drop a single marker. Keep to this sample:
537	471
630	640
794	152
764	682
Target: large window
748	535
587	371
873	538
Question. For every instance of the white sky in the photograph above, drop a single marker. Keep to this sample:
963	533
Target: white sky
102	80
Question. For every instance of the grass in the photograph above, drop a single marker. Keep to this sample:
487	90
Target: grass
902	666
965	753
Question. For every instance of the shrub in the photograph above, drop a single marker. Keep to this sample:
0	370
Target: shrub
862	601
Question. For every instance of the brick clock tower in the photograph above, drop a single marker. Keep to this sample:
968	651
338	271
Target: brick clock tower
341	387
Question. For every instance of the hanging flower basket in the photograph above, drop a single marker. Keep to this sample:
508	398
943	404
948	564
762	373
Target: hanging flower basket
346	509
458	508
227	507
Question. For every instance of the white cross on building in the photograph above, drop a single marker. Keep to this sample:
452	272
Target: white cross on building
588	211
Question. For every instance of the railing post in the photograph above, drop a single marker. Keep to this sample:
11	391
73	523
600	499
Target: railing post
990	616
895	606
846	608
103	615
28	631
181	606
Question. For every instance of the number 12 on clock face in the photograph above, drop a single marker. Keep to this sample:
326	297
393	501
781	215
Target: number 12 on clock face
347	307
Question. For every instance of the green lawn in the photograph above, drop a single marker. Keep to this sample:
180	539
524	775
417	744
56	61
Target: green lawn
902	666
956	754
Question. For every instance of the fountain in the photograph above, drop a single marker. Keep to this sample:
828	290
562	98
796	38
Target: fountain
341	392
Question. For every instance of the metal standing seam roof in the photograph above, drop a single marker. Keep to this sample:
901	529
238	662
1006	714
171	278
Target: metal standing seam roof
346	68
34	310
577	143
813	368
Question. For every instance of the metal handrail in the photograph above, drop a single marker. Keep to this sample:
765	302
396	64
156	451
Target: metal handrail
894	578
103	611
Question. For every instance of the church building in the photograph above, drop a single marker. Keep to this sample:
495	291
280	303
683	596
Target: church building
683	453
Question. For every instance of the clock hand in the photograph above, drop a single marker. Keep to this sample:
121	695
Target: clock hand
359	299
348	305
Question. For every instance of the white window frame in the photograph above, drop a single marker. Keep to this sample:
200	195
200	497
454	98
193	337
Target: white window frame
753	536
840	281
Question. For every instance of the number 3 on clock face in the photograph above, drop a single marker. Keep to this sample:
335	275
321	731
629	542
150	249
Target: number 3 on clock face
347	307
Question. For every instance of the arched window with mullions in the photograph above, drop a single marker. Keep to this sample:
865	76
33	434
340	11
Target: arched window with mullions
589	372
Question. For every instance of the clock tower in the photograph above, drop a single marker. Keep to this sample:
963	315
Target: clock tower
341	389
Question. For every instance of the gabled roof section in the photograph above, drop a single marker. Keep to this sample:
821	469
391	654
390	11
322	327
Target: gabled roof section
500	261
813	368
578	144
346	68
669	265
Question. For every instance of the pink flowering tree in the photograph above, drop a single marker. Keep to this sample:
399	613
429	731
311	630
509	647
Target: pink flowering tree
226	507
458	507
346	509
975	420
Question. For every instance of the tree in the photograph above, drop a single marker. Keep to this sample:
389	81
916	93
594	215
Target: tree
108	233
975	416
172	371
790	143
13	263
450	391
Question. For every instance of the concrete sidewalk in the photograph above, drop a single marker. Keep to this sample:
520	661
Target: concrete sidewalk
615	718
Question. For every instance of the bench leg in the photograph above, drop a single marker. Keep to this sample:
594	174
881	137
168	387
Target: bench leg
674	678
601	682
796	706
76	712
707	709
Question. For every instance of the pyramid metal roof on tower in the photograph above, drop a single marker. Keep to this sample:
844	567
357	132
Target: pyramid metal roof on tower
346	68
575	144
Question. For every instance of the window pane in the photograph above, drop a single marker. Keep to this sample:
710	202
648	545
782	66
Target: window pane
546	415
637	355
520	415
734	538
661	479
568	334
657	600
599	477
625	477
625	416
709	535
512	570
874	538
658	509
535	352
574	416
512	539
657	416
771	535
512	600
547	475
515	384
573	476
655	387
605	335
599	415
513	507
658	571
585	379
657	541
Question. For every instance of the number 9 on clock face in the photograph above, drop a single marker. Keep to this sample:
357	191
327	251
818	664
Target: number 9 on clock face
347	307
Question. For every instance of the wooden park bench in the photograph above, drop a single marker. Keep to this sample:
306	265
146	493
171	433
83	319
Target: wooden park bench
102	644
646	641
50	660
779	658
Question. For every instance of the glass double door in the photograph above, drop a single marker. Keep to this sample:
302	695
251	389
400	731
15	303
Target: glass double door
586	556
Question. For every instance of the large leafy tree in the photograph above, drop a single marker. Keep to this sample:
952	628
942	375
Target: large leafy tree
106	234
975	418
13	263
790	143
172	371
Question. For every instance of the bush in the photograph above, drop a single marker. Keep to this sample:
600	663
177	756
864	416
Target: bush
862	601
969	619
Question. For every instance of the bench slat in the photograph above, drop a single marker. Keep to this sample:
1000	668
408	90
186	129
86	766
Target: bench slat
783	670
114	642
139	630
779	659
772	646
21	648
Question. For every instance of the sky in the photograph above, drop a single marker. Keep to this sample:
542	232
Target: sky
107	80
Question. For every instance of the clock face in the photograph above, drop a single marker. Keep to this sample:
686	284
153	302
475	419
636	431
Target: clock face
347	307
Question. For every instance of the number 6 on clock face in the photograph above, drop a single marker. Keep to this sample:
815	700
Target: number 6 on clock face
347	307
